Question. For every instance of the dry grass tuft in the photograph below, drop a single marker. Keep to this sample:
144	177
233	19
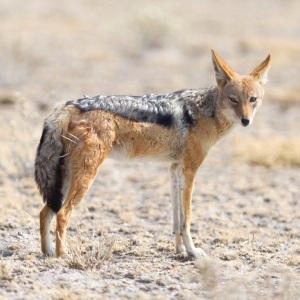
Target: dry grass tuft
5	270
217	280
84	255
269	152
21	130
153	27
207	269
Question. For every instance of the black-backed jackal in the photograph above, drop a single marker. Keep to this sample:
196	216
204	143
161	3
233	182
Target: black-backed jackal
178	128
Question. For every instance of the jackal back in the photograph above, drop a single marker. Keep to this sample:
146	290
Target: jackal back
168	110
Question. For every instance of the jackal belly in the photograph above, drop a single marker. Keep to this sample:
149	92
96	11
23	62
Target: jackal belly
146	142
123	154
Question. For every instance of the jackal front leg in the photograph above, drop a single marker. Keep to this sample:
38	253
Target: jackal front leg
177	207
187	180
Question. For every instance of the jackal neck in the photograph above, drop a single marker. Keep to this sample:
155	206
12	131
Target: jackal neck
224	119
206	99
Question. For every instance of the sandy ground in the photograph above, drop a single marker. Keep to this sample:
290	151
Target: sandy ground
246	213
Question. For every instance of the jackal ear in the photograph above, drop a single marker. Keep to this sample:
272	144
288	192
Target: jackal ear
260	73
222	71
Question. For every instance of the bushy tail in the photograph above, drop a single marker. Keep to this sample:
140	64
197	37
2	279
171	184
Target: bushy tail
49	162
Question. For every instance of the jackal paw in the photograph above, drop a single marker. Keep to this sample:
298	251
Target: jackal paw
196	253
180	249
62	254
50	252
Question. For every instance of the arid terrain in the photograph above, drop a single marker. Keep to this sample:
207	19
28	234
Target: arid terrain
246	210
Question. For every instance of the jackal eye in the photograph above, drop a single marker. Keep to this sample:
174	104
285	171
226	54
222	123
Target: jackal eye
232	100
253	99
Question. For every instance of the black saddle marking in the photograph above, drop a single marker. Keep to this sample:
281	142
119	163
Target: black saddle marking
163	110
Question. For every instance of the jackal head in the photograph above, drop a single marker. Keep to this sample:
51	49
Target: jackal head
240	96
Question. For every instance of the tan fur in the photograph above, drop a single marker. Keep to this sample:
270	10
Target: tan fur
98	134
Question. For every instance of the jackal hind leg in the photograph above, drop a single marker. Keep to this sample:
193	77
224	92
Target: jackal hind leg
188	184
177	207
84	162
46	216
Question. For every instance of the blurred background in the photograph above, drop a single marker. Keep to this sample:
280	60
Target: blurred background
54	51
246	196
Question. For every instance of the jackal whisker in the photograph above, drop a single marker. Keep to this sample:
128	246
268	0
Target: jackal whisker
69	139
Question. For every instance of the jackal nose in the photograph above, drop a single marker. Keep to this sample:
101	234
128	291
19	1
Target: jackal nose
245	121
